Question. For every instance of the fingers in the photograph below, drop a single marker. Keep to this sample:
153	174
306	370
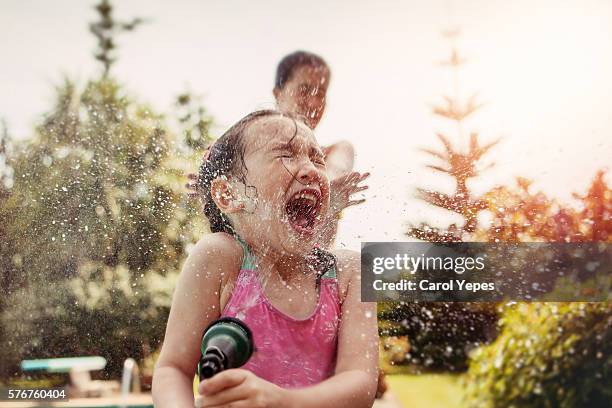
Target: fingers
352	178
359	179
363	177
192	185
354	202
355	187
225	379
192	190
237	404
344	187
346	178
359	176
229	395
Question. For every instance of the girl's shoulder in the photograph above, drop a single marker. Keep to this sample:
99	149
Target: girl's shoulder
218	243
348	268
218	253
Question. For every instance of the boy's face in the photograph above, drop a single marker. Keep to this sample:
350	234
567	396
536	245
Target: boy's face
304	93
286	172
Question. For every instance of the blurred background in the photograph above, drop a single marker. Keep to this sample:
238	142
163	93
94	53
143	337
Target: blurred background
479	121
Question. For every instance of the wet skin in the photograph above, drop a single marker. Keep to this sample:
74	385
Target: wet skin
305	93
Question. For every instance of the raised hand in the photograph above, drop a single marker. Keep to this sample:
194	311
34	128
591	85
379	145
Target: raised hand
341	190
192	179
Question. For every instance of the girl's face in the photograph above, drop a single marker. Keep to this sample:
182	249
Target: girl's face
286	175
304	93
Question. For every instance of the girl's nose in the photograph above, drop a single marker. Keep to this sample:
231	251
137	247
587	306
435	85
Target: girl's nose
308	173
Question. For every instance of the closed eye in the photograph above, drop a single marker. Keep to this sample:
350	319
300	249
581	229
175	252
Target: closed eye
319	160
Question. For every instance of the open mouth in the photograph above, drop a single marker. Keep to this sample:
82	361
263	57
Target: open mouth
303	209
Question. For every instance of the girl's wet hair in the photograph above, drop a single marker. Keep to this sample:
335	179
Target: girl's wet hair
289	63
226	158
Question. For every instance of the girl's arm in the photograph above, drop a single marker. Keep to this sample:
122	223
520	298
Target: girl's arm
355	380
195	304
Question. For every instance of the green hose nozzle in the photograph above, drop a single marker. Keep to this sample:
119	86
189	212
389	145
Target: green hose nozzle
226	343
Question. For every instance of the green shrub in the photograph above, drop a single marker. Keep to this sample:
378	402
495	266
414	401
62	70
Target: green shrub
96	225
440	334
111	316
547	355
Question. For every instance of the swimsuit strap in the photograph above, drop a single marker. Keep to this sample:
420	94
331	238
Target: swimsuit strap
248	259
327	259
331	272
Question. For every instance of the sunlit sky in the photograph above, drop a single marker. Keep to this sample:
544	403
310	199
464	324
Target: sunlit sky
542	68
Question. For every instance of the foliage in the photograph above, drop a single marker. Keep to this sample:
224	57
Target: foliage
97	198
194	120
520	215
461	167
437	343
95	221
96	184
6	182
105	30
460	164
441	334
547	355
100	312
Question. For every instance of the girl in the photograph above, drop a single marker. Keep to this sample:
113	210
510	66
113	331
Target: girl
300	88
266	193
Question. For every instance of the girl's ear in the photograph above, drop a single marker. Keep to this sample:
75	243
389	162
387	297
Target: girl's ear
225	196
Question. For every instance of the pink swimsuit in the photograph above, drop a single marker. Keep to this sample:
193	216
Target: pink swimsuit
289	352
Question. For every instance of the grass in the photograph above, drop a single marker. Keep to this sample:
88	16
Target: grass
426	390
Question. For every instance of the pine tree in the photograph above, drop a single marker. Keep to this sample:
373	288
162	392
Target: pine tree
105	30
194	120
441	334
460	164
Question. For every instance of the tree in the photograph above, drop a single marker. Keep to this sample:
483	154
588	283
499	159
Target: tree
441	334
194	120
547	354
105	30
458	164
98	223
520	215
